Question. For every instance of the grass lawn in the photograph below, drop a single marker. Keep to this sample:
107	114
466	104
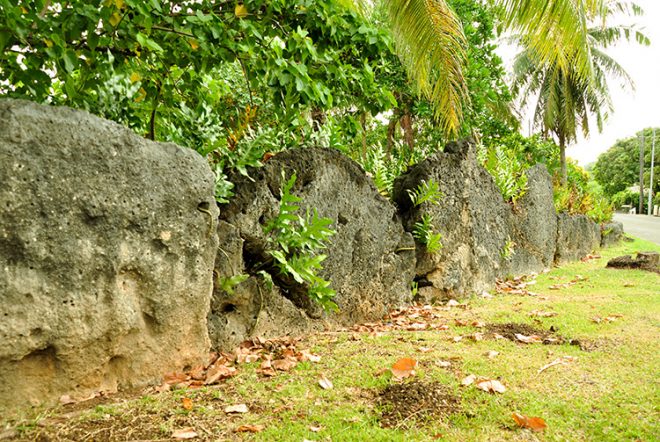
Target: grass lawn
605	335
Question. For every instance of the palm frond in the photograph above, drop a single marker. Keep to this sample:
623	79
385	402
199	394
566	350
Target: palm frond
430	41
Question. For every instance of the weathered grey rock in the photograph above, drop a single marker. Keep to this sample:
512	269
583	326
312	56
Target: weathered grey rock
369	262
611	233
577	236
107	245
534	227
472	217
251	307
649	261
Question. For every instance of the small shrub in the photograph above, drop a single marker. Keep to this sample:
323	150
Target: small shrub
295	242
424	233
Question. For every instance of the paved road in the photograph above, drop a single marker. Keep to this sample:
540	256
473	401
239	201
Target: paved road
641	226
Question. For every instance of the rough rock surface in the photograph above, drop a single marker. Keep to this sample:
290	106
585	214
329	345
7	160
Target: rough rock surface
611	233
472	217
107	245
367	264
649	261
534	227
577	236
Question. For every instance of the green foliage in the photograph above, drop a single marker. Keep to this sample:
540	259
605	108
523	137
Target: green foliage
507	169
228	283
295	242
424	233
625	197
508	250
601	210
426	192
618	167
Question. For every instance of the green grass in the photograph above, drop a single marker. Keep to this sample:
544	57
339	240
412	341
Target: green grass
607	394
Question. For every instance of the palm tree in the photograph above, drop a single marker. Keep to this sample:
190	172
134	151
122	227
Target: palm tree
566	98
430	41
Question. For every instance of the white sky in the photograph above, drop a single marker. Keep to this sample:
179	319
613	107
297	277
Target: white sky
633	110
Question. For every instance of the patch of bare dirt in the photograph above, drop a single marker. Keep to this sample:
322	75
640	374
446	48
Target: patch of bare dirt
518	332
414	402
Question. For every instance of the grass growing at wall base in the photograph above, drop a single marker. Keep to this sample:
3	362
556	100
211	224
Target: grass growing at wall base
608	393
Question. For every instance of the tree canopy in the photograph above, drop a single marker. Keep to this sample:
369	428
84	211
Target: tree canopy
618	168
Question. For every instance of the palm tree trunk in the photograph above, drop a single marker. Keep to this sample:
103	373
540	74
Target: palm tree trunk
562	159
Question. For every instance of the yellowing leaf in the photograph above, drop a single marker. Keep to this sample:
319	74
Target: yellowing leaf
193	43
533	423
119	4
24	10
49	43
114	19
135	77
241	11
403	368
142	94
187	403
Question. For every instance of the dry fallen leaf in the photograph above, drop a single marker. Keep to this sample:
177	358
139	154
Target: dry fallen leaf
542	314
283	364
443	364
187	403
217	372
559	361
325	383
315	429
403	368
184	433
476	336
492	354
458	338
491	386
468	380
239	408
532	423
533	339
249	429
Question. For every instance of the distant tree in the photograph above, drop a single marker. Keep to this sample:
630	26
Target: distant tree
618	168
565	98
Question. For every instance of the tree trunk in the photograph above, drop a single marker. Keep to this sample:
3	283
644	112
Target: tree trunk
408	135
391	128
318	118
363	123
641	175
562	159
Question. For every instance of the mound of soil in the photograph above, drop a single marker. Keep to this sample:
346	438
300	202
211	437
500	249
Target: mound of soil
405	404
510	329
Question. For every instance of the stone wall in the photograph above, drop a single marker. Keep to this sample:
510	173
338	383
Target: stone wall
111	271
370	260
107	245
